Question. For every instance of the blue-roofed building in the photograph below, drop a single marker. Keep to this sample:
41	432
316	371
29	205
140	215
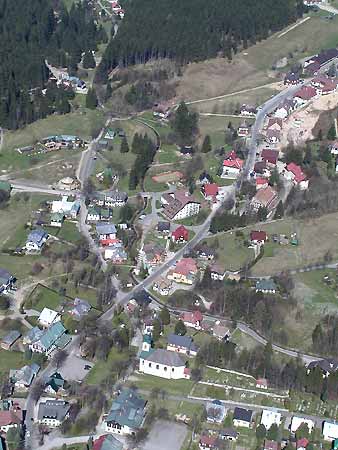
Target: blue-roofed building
126	414
182	344
23	378
32	335
51	339
36	240
216	411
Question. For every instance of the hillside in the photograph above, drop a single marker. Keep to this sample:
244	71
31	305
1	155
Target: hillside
194	30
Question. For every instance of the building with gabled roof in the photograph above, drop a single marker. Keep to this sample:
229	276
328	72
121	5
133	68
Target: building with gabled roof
51	339
23	378
48	317
265	198
10	419
179	205
7	280
53	412
184	272
192	319
107	442
36	240
127	413
232	166
182	344
298	177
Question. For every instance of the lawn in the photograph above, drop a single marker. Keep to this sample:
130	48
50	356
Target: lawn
167	155
318	292
152	186
83	292
171	387
243	341
10	360
42	297
103	369
73	447
215	127
69	232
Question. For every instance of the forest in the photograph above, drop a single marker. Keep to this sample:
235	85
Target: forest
31	31
194	30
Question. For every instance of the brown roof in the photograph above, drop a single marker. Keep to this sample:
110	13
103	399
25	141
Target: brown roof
9	418
265	196
176	202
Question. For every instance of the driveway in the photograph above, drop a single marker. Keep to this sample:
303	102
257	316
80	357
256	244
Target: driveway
165	436
73	368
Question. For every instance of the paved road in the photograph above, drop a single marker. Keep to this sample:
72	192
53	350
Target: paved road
31	186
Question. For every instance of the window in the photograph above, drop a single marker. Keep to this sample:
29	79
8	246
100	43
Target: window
157	366
173	370
149	364
165	369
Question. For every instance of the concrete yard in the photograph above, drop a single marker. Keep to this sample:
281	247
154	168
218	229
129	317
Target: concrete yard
165	436
74	368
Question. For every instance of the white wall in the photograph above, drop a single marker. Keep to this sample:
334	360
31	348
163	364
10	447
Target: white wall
160	370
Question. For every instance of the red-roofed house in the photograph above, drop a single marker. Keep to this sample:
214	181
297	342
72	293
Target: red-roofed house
270	156
275	123
305	94
184	272
10	419
208	442
107	442
262	383
261	183
324	85
192	319
271	445
232	166
210	191
258	237
302	443
295	173
181	234
266	198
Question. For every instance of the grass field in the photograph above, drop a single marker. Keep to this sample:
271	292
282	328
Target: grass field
316	238
42	297
243	341
103	369
69	232
173	387
10	360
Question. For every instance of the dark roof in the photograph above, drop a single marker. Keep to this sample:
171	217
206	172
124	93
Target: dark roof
127	409
182	341
55	409
327	365
5	276
228	432
260	166
243	414
165	357
163	226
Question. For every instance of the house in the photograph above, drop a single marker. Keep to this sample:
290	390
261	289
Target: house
243	130
32	335
273	136
10	419
270	156
242	417
330	430
314	63
265	198
53	412
187	150
5	186
79	308
181	344
296	422
266	286
228	434
56	220
66	207
262	383
220	331
261	168
36	240
208	442
192	319
68	184
162	286
127	413
151	256
291	79
333	147
205	252
93	214
184	272
327	366
52	338
9	339
270	417
298	177
106	233
210	192
107	442
285	109
204	178
274	123
179	205
181	234
216	411
48	317
142	298
261	183
162	110
162	363
248	110
163	228
304	94
115	199
7	281
55	384
302	443
217	272
271	445
324	85
258	237
232	166
23	378
115	252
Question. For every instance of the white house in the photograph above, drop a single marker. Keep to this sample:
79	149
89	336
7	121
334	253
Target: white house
232	166
181	344
270	417
53	412
35	240
179	205
48	317
162	363
296	422
68	208
330	430
242	417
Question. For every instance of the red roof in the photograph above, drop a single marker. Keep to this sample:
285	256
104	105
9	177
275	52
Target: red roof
185	266
306	92
236	163
270	156
9	418
187	371
180	233
210	190
262	382
207	440
297	171
261	181
302	443
105	242
192	317
258	236
275	121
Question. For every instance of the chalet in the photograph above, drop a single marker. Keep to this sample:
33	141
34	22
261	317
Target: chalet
151	256
334	148
217	272
111	199
220	331
266	198
55	384
32	335
53	412
304	94
297	176
208	442
247	110
292	79
273	136
162	110
205	252
204	178
187	150
79	308
36	240
7	281
179	205
266	286
162	363
52	338
66	207
242	417
243	130
48	317
330	430
270	417
285	109
270	445
258	237
270	156
56	220
115	252
216	411
192	319
314	63
181	234
262	383
210	192
228	434
23	378
232	166
261	168
182	344
296	422
302	443
106	233
184	272
324	85
93	214
10	339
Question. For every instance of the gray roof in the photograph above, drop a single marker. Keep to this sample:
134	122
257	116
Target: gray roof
117	196
54	409
228	432
5	276
127	409
11	337
24	375
329	365
37	236
80	307
182	341
109	442
266	285
105	228
165	357
33	335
